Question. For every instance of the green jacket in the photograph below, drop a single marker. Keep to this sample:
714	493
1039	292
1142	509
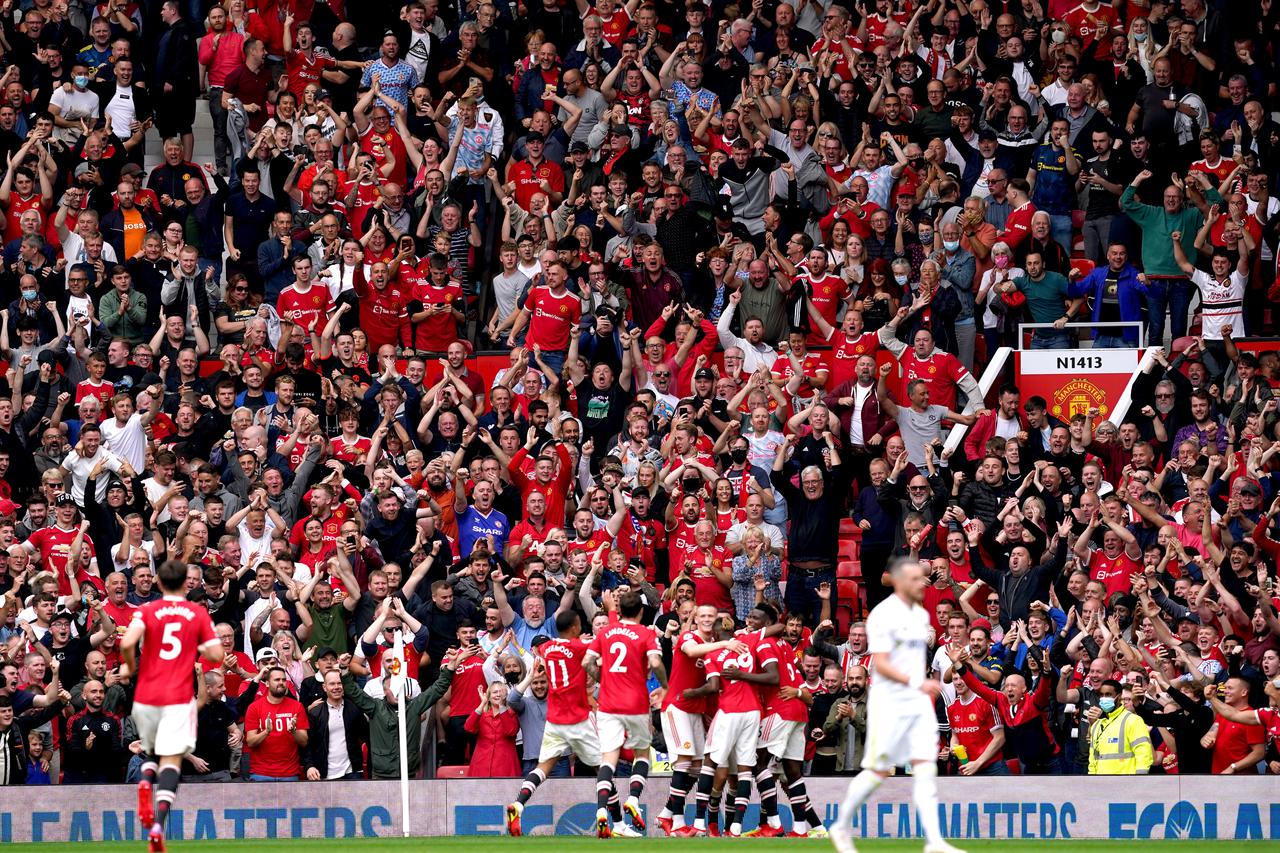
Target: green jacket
384	735
837	731
1157	225
131	325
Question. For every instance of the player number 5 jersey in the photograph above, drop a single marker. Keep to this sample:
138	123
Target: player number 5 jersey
175	631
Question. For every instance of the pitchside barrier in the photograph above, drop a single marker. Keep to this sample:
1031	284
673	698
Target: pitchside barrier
1050	807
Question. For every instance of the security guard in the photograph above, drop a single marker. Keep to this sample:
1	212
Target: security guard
1119	741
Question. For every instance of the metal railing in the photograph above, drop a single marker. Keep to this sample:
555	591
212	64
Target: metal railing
1138	324
987	381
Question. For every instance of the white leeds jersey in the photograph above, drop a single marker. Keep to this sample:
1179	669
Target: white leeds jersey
901	630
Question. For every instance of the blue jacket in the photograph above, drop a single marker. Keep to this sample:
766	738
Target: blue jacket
1131	293
868	508
276	269
529	95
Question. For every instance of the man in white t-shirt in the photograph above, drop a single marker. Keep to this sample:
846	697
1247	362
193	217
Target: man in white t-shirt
125	435
1221	293
163	464
84	458
256	525
920	424
72	102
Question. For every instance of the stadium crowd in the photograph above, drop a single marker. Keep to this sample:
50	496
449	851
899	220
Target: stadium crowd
747	260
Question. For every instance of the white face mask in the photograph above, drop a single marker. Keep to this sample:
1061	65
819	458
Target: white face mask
1059	36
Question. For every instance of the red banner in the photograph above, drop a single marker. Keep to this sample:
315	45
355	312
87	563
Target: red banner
1074	381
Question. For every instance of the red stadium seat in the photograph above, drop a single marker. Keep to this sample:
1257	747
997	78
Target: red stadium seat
847	591
843	619
1077	229
848	550
452	771
1083	265
849	529
849	569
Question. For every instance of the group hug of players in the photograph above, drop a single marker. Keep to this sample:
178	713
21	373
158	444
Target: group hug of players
745	683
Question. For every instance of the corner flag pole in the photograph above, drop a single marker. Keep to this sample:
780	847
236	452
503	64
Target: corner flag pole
400	687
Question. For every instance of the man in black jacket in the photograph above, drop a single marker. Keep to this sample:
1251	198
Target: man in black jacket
335	718
175	65
1017	576
816	509
13	746
15	434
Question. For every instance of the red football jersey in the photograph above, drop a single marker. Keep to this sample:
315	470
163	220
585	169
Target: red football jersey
826	293
1113	574
567	699
680	542
350	453
811	365
624	649
524	477
175	630
1017	226
303	69
552	318
788	676
440	329
707	588
845	352
641	539
104	391
686	674
307	309
332	525
54	545
591	545
1270	720
736	696
941	373
278	754
972	723
468	681
528	179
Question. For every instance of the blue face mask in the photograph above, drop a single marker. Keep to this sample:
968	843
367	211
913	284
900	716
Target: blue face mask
30	295
900	279
1107	704
1139	37
82	82
951	245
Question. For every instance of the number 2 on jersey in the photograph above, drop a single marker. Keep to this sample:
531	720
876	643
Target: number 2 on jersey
619	652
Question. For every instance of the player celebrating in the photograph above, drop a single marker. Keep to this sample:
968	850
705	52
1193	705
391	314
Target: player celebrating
682	727
569	728
731	740
173	632
901	723
620	658
786	711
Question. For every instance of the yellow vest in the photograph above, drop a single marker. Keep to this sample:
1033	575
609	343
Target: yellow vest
1120	745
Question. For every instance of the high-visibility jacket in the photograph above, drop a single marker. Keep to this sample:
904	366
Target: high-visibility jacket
1119	745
